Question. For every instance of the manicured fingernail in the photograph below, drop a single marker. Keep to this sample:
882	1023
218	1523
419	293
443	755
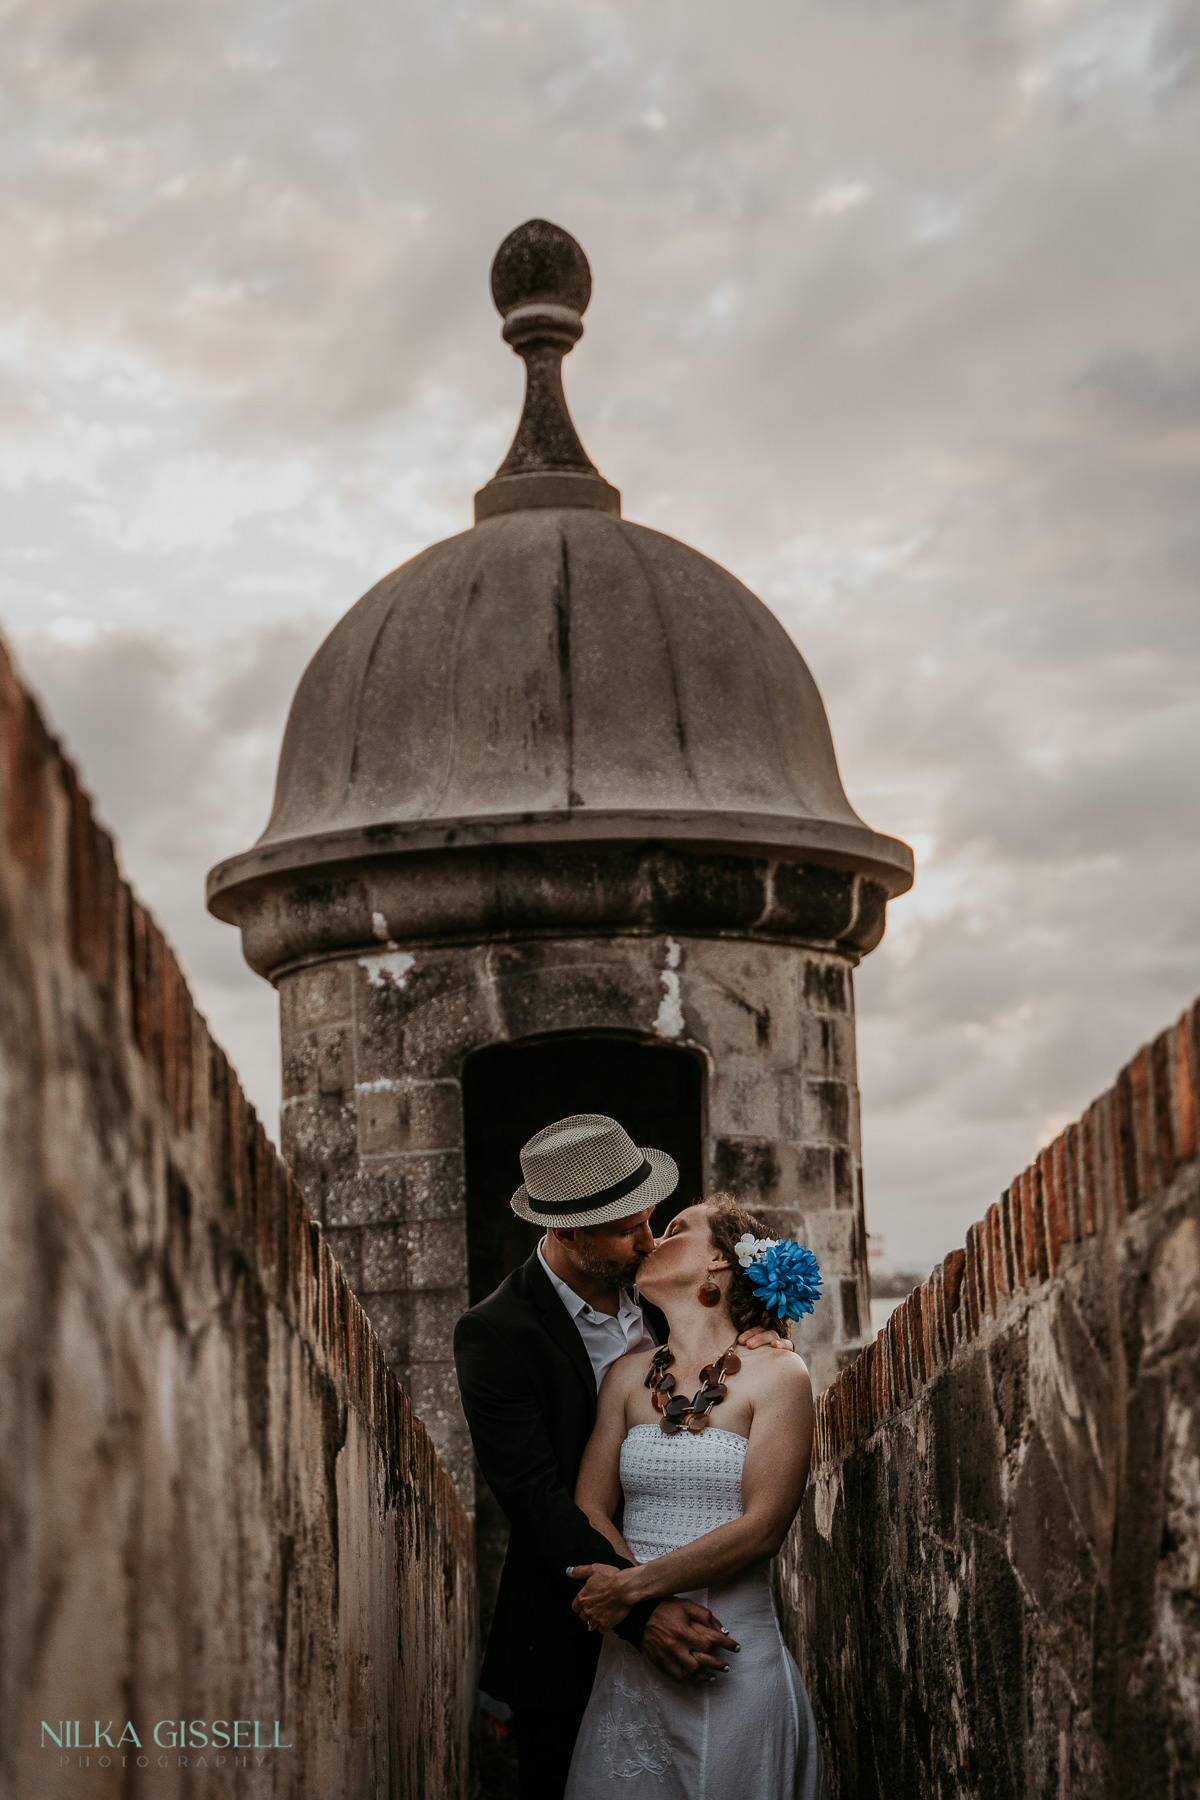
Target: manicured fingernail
571	1570
737	1646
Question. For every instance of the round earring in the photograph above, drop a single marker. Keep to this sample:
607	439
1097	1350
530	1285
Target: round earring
709	1294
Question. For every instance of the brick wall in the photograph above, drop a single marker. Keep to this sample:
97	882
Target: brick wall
215	1502
994	1583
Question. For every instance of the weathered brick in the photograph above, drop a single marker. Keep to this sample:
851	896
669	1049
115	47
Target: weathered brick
973	1276
582	993
389	1315
1073	1197
433	1315
953	1266
397	1116
1163	1124
756	1171
434	1391
1031	1235
825	1111
1051	1224
831	1238
1089	1163
846	1179
748	1103
1110	1190
347	1248
926	1333
300	1054
315	997
823	1325
27	754
335	1059
742	1003
994	1270
1056	1196
319	1134
1187	1086
900	1378
1142	1170
826	985
373	1196
815	1169
1008	1239
92	882
385	1261
421	1024
1051	1228
827	1045
1014	1220
437	1252
1123	1139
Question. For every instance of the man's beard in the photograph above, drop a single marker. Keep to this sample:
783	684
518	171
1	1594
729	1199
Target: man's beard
617	1272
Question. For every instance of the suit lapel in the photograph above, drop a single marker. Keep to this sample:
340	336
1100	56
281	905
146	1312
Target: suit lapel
560	1325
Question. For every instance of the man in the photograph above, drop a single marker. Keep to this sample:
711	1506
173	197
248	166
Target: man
530	1360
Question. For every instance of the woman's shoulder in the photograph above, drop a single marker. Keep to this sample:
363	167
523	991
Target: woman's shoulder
773	1371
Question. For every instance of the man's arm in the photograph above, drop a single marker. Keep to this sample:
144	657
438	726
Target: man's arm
517	1457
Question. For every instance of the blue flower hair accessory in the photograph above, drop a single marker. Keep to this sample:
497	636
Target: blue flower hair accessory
784	1275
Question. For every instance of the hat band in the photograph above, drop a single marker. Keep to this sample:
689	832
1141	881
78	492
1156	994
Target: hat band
588	1201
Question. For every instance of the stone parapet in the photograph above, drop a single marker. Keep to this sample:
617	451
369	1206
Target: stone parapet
992	1584
217	1501
1122	1155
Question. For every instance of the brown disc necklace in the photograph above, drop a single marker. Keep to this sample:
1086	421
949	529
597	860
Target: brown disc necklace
678	1412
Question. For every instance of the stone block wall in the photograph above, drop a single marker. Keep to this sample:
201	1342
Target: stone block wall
216	1503
374	1046
993	1586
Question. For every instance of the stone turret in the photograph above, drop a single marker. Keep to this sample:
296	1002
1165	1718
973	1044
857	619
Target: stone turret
559	827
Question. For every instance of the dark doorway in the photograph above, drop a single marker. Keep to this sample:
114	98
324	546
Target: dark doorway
509	1092
512	1090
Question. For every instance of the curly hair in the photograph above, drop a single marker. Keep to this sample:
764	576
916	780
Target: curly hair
728	1220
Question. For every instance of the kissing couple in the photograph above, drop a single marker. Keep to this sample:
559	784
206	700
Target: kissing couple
634	1636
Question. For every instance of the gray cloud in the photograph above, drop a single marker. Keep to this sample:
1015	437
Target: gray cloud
178	749
895	314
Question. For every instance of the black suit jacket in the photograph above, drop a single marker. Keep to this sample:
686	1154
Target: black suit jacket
529	1393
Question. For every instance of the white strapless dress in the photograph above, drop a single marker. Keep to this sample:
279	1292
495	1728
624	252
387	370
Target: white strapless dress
748	1734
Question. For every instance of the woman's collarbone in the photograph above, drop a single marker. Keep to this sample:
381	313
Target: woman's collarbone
733	1414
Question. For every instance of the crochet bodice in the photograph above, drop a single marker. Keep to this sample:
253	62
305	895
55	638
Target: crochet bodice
678	1488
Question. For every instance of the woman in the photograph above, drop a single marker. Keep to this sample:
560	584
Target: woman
709	1447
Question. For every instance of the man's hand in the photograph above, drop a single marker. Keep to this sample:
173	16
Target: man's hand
685	1641
762	1339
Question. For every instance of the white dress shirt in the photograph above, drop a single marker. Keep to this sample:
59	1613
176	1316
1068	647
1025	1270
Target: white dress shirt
605	1336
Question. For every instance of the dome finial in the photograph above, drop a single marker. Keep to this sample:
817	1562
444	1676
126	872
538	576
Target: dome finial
541	283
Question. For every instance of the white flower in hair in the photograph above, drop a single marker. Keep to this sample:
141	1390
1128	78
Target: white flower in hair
751	1249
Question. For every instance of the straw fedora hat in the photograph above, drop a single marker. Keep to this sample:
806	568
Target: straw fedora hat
587	1170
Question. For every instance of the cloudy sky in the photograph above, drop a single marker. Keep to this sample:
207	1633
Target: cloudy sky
897	314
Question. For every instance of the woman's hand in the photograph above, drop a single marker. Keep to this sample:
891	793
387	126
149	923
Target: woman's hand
604	1599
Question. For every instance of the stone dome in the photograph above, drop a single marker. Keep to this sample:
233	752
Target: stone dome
560	673
556	677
